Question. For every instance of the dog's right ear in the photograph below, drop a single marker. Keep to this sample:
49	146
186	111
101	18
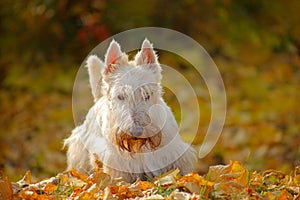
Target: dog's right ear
95	69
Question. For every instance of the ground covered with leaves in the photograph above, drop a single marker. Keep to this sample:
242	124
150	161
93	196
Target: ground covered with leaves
255	44
232	181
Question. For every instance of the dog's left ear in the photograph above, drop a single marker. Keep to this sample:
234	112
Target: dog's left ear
95	66
147	56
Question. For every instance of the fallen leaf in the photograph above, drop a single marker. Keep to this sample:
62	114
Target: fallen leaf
50	188
168	177
26	180
6	191
113	189
102	179
215	172
231	181
180	195
107	194
297	175
192	187
195	183
230	187
77	175
273	177
238	168
285	195
76	192
141	185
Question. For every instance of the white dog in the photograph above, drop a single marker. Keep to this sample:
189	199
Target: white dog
130	129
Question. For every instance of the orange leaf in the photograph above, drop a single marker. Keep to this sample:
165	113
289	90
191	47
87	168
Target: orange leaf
144	185
113	189
86	195
76	192
27	177
283	195
50	188
75	174
5	187
141	185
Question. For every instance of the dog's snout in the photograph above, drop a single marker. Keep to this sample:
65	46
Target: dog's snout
137	131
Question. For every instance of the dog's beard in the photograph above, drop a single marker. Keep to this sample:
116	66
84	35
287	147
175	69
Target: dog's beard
132	144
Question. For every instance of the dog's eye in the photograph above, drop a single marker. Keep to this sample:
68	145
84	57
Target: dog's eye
147	97
121	97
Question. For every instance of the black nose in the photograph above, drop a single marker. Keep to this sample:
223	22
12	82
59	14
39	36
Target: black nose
137	131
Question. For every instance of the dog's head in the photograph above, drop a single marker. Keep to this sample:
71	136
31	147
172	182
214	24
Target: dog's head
133	94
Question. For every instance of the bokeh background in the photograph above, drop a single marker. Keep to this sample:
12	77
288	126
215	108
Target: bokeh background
255	44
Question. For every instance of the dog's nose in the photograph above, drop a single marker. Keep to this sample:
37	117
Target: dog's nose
137	131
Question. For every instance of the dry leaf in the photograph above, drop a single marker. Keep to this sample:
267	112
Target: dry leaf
230	187
180	195
215	172
141	186
168	177
107	194
297	175
6	191
102	179
26	180
50	188
77	175
76	192
238	168
230	181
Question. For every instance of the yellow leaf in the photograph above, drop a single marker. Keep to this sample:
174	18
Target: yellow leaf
196	178
25	180
237	168
63	178
86	196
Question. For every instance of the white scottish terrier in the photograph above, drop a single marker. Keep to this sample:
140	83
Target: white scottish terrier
130	129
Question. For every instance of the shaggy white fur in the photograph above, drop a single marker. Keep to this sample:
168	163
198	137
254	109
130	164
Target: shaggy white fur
130	129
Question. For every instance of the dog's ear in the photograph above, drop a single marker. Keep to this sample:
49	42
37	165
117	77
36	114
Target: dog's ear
95	68
113	56
147	56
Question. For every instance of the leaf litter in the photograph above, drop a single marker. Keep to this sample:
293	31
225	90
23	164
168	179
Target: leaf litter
232	181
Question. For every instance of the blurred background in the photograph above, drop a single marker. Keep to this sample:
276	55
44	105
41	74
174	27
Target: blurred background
255	44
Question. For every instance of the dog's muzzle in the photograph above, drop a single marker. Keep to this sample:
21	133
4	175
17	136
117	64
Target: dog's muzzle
133	143
136	131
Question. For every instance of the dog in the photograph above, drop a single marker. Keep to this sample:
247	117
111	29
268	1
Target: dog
130	128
